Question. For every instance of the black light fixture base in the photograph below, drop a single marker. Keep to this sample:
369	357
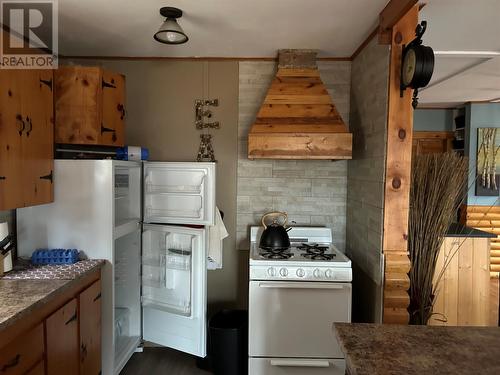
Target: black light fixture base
171	12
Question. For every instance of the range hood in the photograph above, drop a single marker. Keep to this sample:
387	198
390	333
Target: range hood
298	119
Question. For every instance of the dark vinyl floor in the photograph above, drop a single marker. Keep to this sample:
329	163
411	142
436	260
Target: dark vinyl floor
162	361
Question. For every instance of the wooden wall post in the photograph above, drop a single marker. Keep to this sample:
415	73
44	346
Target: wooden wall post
397	183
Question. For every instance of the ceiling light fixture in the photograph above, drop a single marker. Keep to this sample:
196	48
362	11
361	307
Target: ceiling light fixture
170	31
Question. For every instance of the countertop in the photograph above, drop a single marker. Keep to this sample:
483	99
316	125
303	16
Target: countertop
459	230
403	349
23	291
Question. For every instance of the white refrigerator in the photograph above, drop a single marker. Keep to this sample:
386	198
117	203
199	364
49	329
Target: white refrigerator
154	281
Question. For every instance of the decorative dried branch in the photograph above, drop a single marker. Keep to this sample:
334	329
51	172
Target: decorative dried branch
437	187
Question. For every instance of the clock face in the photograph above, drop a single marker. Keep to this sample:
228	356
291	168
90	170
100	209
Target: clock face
409	64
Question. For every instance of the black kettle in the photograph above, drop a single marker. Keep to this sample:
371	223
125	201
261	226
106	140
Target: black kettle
275	236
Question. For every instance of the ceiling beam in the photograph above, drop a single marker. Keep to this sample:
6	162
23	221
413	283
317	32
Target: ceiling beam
393	12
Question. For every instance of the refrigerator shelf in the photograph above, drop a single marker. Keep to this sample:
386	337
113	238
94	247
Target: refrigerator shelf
180	308
124	227
160	213
174	189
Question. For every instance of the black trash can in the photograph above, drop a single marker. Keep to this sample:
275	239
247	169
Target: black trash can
228	335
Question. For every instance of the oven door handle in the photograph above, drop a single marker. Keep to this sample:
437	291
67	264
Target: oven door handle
299	285
299	363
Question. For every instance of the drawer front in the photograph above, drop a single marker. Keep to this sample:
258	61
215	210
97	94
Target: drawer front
280	326
22	353
295	366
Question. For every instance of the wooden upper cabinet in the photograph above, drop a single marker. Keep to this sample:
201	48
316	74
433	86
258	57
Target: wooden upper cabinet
89	106
428	142
90	330
62	340
26	138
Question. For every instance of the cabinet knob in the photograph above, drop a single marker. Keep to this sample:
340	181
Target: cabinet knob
109	130
72	319
12	363
107	84
49	176
22	125
28	121
3	178
47	82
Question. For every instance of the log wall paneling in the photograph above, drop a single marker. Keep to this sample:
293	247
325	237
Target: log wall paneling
397	185
463	295
487	219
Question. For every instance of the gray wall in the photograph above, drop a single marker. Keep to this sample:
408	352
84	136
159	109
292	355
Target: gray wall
311	192
366	179
478	115
437	120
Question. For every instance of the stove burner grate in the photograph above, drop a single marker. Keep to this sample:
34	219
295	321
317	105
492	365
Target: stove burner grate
275	253
315	252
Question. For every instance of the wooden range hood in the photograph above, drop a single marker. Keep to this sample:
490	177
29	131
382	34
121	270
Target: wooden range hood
298	119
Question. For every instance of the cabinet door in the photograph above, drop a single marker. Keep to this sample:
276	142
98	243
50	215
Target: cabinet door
113	109
179	193
90	330
62	340
77	105
11	127
22	353
174	287
38	137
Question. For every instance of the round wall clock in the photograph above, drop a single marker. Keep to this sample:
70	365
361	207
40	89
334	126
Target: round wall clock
417	64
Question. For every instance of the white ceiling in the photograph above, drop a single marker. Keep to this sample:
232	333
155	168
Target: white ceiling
469	32
216	28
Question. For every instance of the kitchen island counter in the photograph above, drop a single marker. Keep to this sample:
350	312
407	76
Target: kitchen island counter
404	349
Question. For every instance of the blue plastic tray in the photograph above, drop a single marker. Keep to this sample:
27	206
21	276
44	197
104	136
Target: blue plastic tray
55	256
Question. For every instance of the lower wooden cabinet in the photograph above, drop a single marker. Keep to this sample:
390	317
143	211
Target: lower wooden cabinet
57	340
90	330
23	352
62	340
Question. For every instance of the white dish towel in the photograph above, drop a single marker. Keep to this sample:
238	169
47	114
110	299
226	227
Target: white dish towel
216	234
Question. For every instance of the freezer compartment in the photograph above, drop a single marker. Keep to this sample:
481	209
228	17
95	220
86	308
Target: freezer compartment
294	319
161	208
296	366
179	193
169	180
166	271
127	194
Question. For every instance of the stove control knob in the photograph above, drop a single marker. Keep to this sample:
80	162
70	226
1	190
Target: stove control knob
317	273
328	274
300	272
271	271
283	272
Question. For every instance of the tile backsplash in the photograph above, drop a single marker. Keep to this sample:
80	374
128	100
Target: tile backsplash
311	192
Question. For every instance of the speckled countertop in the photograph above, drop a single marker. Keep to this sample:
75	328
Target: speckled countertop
402	349
21	292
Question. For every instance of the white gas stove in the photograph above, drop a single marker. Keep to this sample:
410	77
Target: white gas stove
311	279
311	257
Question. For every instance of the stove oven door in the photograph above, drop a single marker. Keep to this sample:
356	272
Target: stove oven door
294	319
